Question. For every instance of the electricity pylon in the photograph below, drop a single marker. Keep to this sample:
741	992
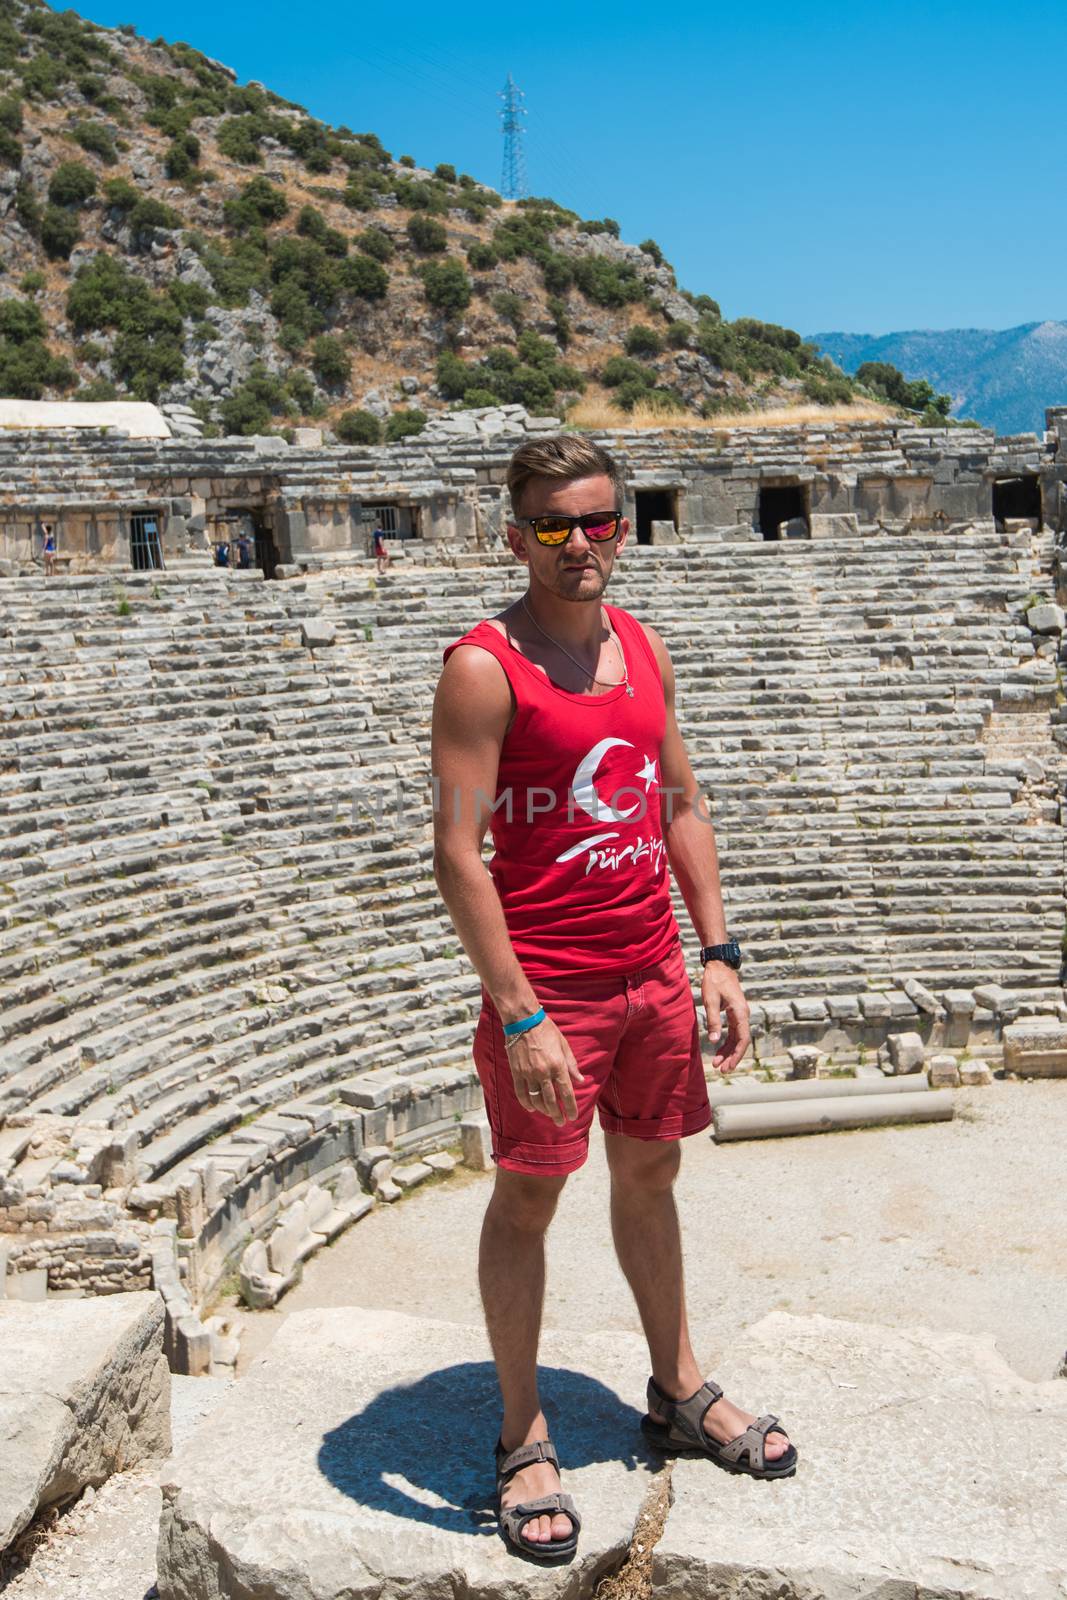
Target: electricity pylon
513	186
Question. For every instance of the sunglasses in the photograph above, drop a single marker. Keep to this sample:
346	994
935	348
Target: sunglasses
596	525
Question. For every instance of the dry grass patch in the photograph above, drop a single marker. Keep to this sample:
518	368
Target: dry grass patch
595	413
633	1580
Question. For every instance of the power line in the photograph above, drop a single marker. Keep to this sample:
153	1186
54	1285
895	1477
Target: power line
513	185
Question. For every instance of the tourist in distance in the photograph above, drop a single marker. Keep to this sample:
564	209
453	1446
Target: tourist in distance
48	550
554	726
382	556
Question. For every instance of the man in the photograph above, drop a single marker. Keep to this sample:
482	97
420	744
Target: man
554	726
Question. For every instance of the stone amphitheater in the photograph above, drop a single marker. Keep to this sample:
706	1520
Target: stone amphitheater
235	1012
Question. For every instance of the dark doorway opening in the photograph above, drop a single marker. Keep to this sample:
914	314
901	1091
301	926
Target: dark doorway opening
653	505
266	556
1015	498
781	503
146	550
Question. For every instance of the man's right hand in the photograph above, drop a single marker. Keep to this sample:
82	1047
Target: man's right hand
545	1072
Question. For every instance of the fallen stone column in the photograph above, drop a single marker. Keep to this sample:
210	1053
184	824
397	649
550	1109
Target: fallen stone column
84	1392
824	1115
758	1094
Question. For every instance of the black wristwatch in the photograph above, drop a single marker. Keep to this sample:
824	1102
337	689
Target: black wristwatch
730	953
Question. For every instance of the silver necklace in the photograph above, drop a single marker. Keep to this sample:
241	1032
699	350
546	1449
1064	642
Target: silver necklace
604	682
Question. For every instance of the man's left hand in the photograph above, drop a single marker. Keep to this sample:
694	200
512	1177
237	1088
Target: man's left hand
721	991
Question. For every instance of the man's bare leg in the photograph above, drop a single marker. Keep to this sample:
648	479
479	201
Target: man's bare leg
511	1273
648	1243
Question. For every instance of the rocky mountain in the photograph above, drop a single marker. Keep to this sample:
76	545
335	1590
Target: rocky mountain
170	234
1004	379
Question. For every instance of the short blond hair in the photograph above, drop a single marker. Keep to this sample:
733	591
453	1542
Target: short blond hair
565	456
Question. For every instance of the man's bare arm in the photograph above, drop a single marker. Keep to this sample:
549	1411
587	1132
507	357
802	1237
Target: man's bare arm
470	717
471	711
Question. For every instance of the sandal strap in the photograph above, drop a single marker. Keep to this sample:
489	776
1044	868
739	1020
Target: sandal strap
753	1442
515	1518
686	1415
510	1462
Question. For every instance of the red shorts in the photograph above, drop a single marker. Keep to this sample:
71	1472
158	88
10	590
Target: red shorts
635	1037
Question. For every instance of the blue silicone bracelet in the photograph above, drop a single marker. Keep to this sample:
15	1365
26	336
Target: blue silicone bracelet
524	1024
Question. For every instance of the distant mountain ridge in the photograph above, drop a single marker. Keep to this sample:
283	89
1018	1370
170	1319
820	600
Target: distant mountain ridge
1002	378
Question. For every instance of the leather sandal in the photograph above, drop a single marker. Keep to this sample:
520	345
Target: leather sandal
514	1518
682	1434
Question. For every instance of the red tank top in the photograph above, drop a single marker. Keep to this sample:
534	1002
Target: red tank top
580	864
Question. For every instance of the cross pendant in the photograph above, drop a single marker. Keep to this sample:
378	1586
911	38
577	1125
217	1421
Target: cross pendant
629	691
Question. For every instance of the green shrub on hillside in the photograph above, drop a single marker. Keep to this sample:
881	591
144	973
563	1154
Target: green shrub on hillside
358	427
311	224
182	156
404	424
608	283
96	139
427	235
679	336
427	195
510	307
147	355
253	407
71	184
330	361
641	340
375	242
446	172
10	126
365	278
621	369
245	266
120	194
652	249
557	310
446	285
27	207
191	299
59	232
529	376
827	390
42	77
238	139
148	216
917	395
32	282
258	205
481	256
27	366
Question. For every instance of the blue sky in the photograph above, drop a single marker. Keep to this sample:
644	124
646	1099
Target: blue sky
859	167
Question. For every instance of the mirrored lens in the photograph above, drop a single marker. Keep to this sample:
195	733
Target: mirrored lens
552	530
601	528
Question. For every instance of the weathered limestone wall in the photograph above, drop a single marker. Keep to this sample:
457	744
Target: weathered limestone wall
448	489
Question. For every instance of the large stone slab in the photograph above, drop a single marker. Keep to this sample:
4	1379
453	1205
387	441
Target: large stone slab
84	1392
355	1459
928	1471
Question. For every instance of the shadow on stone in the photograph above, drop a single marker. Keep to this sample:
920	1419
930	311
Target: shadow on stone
425	1450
